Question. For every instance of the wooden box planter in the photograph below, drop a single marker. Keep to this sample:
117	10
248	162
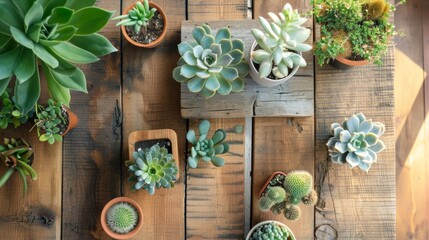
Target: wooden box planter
146	138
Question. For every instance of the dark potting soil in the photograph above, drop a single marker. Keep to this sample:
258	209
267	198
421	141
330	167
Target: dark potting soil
150	33
146	144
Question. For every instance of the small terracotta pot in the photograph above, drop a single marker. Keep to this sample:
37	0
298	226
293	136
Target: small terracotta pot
158	40
73	120
106	227
268	222
268	82
344	63
268	182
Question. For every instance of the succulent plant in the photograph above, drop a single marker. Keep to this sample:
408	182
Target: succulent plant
284	193
51	121
280	43
206	148
212	64
55	35
271	231
138	16
9	113
152	168
122	217
17	155
356	142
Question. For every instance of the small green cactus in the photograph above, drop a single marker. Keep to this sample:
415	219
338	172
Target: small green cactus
298	184
265	204
278	208
152	168
122	217
311	199
276	194
292	212
271	231
137	17
205	148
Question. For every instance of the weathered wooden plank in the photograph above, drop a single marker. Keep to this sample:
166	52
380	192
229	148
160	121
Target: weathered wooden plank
151	101
284	144
293	98
37	214
92	151
411	136
355	204
215	196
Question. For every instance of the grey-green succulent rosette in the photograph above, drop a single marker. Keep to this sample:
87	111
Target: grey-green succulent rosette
206	148
271	231
356	142
152	168
212	64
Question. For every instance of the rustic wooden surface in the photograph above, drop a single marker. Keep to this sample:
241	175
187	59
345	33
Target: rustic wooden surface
293	98
127	93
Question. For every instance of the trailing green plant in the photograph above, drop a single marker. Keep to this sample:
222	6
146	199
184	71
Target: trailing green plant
122	217
284	193
205	148
51	121
137	17
280	43
212	64
356	30
17	156
55	35
271	231
9	113
152	168
356	141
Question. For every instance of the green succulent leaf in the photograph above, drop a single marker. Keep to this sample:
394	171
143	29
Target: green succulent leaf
225	86
184	47
237	44
212	83
100	45
222	33
34	14
89	20
218	161
204	127
26	66
207	41
196	84
237	85
22	6
3	84
7	62
27	93
237	55
218	136
72	53
57	92
71	78
60	15
45	56
226	45
21	38
190	136
198	33
229	73
10	15
78	4
193	162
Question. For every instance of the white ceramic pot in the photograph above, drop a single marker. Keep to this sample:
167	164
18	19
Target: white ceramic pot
267	222
267	82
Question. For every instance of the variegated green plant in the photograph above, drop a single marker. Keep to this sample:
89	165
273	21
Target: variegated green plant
55	35
137	17
206	148
280	43
356	141
212	64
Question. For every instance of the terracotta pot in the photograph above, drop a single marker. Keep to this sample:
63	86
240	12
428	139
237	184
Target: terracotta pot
267	82
106	227
344	63
268	182
73	120
158	40
268	222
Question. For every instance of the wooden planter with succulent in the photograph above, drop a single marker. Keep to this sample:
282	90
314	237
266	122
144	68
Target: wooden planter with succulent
54	121
272	230
144	24
353	33
17	156
212	63
282	193
153	159
276	53
55	35
121	218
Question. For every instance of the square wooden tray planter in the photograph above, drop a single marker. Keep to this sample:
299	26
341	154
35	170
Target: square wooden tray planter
146	138
294	98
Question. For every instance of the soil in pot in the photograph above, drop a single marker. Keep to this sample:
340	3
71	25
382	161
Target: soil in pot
149	34
146	144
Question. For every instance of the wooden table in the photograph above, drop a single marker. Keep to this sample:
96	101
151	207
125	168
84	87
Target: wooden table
134	90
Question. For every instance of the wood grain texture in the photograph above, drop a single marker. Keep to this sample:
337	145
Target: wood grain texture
36	214
357	205
91	169
411	130
283	144
151	101
293	98
215	196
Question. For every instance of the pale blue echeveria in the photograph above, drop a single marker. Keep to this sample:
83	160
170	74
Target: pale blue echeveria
213	63
356	142
206	148
279	42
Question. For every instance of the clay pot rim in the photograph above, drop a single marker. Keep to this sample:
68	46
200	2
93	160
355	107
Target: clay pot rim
267	222
269	180
159	39
352	63
106	227
73	120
